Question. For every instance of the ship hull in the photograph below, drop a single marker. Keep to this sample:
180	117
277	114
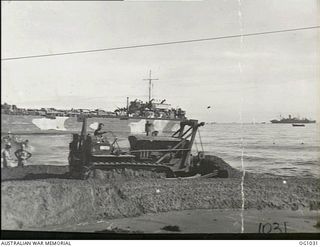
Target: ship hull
292	122
26	124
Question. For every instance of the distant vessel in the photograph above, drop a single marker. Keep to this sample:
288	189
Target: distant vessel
292	120
298	125
131	119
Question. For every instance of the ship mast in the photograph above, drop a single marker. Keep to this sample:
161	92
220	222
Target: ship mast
150	79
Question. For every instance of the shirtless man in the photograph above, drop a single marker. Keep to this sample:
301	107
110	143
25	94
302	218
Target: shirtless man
22	155
6	155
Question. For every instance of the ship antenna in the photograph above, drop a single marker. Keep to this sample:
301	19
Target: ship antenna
150	79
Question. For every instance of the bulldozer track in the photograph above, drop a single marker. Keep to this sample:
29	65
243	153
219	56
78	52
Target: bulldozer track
109	166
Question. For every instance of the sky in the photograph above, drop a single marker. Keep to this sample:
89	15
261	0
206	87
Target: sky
249	79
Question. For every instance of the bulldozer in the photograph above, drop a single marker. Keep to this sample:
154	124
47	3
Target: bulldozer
169	156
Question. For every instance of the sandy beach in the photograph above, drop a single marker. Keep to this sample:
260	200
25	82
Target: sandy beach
147	205
202	221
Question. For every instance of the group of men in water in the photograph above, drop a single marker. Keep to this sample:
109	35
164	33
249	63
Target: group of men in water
22	154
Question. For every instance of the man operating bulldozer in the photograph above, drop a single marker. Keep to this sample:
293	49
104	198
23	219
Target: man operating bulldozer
98	132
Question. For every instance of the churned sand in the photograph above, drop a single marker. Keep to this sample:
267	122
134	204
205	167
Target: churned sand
148	205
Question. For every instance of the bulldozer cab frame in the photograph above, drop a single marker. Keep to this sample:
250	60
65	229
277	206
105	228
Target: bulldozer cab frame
171	152
187	137
178	146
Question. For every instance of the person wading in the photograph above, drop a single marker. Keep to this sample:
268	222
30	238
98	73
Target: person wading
6	155
22	155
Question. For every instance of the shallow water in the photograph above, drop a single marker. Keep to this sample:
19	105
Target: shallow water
268	148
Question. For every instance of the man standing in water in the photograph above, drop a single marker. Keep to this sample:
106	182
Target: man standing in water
6	155
22	155
8	138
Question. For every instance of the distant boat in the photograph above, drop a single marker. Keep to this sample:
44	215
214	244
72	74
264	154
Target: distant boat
298	125
292	120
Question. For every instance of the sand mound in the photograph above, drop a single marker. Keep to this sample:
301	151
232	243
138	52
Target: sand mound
36	203
214	162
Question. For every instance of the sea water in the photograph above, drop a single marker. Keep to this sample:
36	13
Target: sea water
279	149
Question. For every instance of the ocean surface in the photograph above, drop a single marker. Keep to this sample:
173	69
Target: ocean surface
279	149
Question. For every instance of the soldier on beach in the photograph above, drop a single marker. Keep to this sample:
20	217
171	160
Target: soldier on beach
22	155
6	155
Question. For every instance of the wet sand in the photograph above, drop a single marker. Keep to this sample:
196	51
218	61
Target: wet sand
203	221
